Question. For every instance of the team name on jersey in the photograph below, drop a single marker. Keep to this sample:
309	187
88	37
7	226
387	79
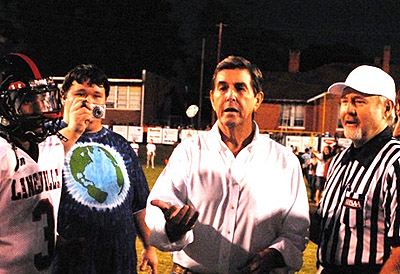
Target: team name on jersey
34	184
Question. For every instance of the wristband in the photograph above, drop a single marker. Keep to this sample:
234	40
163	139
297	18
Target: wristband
61	137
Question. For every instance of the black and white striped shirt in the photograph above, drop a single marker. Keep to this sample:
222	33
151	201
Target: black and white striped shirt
360	214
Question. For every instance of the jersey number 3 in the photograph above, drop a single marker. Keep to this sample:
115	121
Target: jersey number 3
44	207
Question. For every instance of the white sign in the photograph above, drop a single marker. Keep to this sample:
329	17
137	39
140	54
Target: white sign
135	133
294	141
310	142
327	141
122	130
187	133
155	134
170	136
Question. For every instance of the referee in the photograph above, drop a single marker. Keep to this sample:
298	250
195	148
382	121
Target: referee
359	214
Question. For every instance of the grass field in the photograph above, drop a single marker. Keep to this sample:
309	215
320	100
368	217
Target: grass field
164	258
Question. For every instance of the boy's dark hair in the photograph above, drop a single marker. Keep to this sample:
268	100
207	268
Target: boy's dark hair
83	73
237	62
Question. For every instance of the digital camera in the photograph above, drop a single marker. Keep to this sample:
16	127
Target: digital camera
99	111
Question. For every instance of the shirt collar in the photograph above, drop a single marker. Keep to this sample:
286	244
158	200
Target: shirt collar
367	152
217	136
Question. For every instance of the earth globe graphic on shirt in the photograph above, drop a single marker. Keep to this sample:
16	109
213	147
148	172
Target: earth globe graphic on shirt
96	175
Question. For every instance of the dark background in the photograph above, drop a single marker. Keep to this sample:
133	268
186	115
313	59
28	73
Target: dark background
165	37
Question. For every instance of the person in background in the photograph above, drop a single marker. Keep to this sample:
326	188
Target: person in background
312	167
231	200
306	161
135	147
321	172
151	153
359	211
32	158
295	150
104	191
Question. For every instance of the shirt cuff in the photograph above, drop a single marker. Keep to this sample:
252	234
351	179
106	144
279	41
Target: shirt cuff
159	239
292	256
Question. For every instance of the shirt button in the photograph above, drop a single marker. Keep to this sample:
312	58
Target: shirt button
229	232
232	207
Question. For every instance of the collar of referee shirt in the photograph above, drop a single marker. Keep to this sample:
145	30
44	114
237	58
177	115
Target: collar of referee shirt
367	152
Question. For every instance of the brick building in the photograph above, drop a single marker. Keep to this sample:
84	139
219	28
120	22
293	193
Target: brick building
149	100
297	103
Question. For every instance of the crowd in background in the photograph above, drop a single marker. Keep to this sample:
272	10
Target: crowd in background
315	166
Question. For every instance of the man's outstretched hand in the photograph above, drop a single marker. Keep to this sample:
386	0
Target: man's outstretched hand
178	220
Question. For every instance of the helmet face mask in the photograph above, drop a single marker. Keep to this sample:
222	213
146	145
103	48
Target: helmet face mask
30	109
36	101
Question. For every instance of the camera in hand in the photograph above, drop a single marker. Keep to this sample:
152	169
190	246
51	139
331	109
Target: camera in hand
99	111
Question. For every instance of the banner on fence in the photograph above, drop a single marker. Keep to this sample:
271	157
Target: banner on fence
155	134
135	133
122	130
170	136
187	133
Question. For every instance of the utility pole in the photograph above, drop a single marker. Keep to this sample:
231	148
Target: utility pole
201	84
220	26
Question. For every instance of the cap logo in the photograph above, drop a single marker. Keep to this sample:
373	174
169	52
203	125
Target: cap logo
16	85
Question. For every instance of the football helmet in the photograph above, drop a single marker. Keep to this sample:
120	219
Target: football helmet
30	106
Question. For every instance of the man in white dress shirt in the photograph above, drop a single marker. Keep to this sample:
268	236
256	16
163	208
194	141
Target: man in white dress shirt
231	200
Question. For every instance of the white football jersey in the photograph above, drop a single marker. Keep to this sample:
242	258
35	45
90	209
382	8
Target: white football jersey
29	201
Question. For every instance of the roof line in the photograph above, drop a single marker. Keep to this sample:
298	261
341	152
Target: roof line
317	97
284	100
111	80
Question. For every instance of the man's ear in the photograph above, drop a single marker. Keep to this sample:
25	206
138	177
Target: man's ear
389	106
63	97
259	99
212	99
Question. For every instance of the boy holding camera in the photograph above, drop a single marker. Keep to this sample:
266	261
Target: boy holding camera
104	190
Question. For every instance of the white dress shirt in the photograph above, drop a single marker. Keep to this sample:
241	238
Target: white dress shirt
246	203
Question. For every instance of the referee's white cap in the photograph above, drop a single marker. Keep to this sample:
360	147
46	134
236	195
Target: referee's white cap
369	80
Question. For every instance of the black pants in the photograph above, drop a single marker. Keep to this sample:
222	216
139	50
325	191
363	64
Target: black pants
352	270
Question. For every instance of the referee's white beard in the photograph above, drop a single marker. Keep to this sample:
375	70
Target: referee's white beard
353	134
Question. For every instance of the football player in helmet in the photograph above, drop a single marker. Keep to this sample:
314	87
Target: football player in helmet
30	106
31	163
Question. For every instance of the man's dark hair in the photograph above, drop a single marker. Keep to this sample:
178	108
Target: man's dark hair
237	62
86	73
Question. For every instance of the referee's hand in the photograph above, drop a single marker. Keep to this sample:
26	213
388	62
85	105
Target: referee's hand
179	220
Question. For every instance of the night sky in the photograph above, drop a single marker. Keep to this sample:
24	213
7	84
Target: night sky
165	37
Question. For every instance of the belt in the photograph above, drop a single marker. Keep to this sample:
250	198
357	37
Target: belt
351	269
178	269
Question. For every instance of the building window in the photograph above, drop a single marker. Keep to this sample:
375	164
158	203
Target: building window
135	98
124	97
292	116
